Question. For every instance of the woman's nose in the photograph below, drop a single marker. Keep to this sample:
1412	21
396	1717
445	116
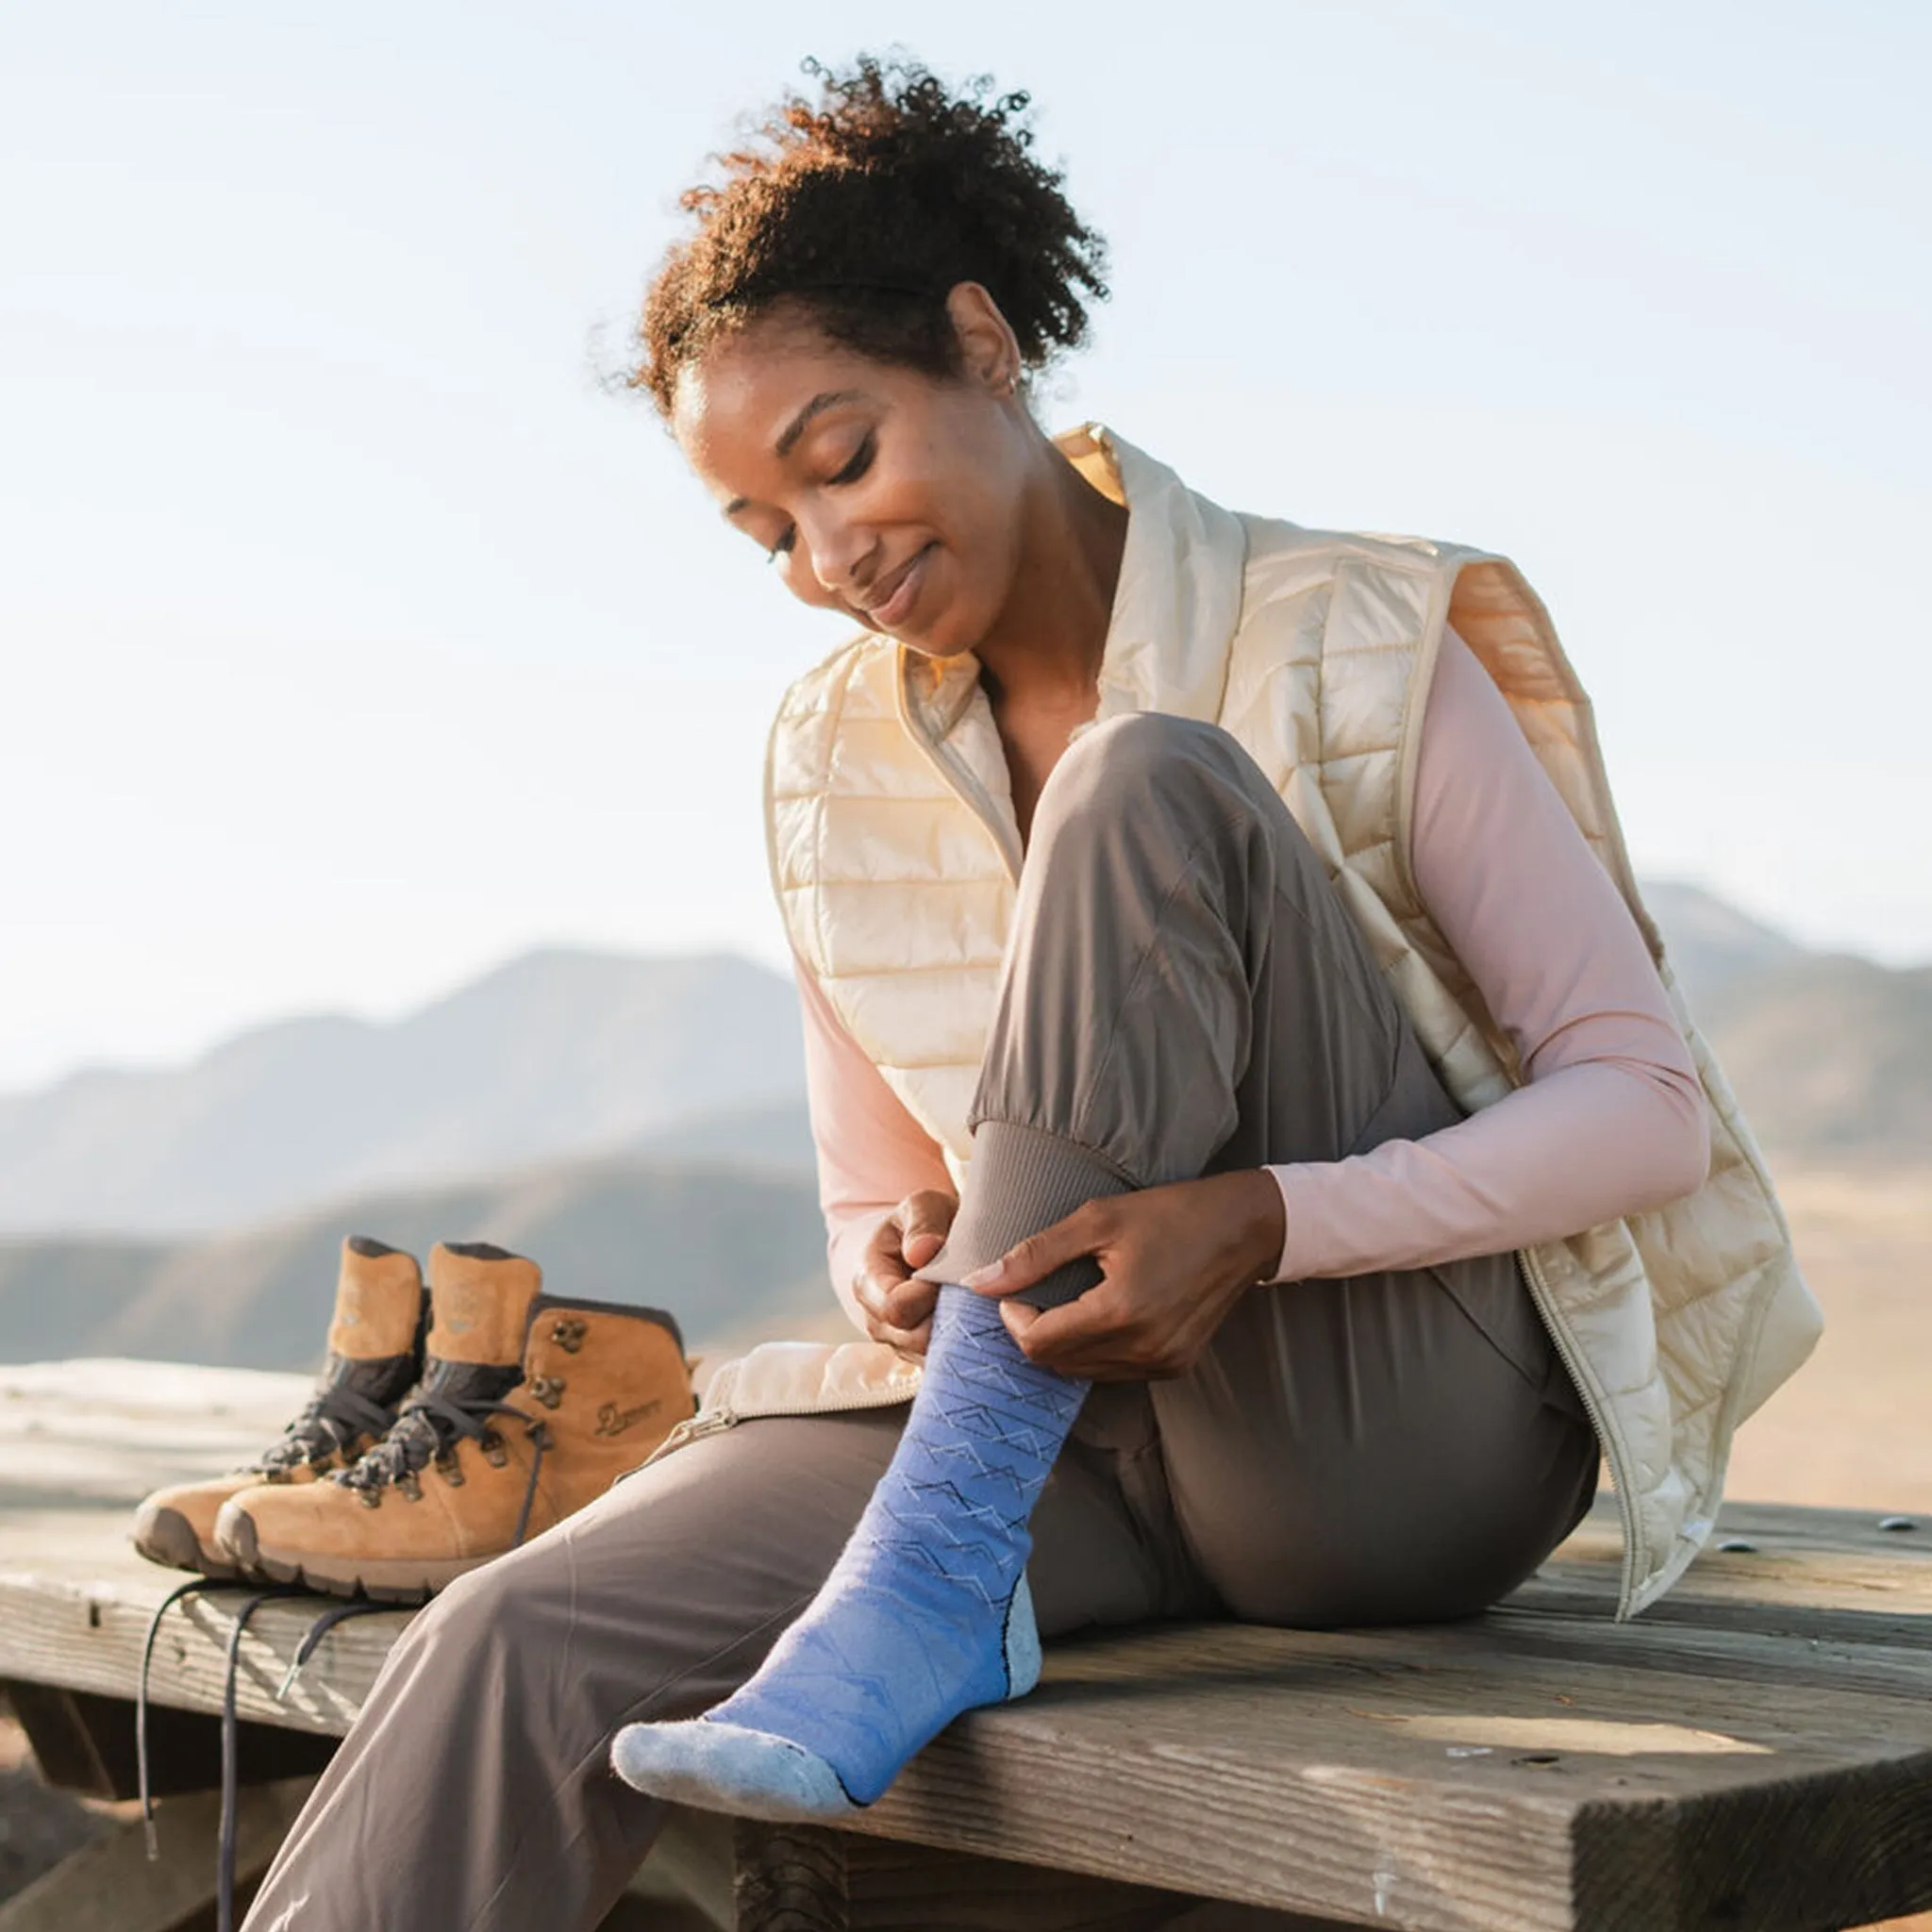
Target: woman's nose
838	556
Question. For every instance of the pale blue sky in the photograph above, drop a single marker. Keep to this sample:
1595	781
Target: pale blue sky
355	640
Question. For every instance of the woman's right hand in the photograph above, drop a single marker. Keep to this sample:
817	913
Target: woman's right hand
898	1309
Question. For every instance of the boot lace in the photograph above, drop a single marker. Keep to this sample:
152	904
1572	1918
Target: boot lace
333	1419
428	1429
227	1835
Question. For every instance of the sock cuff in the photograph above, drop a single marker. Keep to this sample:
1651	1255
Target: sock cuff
1022	1180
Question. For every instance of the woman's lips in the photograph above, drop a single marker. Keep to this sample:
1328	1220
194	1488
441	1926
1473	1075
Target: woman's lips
894	610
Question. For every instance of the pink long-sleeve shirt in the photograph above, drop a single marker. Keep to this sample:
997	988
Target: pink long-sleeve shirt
1611	1119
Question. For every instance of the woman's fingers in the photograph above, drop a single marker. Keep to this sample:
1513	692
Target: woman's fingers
1083	1337
909	1335
910	1235
898	1309
910	1305
923	1220
1032	1261
909	1342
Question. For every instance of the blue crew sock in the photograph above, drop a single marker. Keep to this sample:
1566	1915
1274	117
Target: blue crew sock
924	1615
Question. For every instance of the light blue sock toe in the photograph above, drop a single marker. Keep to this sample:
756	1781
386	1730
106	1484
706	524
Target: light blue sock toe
925	1614
724	1767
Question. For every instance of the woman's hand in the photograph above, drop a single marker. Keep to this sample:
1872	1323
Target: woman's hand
898	1311
1174	1260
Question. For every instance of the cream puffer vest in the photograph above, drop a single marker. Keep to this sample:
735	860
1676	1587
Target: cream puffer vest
896	851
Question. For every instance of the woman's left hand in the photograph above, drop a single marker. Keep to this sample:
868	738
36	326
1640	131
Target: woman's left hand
1174	1259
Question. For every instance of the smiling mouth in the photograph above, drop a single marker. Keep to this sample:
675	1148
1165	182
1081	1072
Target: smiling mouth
902	593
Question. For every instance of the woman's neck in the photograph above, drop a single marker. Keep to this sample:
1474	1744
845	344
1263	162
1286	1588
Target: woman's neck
1046	648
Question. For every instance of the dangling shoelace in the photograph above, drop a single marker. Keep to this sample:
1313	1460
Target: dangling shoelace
227	1835
428	1427
432	1423
231	1743
336	1613
333	1417
195	1586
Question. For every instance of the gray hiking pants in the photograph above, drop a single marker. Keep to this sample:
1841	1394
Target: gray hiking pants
1183	994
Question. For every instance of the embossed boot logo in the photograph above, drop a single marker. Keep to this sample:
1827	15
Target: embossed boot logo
612	1420
456	1314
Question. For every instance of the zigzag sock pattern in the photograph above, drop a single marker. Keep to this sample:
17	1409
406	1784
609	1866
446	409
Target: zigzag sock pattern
924	1615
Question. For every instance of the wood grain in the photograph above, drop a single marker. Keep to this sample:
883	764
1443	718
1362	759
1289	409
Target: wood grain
1755	1753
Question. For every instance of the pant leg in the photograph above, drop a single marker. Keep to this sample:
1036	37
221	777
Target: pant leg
1187	993
472	1792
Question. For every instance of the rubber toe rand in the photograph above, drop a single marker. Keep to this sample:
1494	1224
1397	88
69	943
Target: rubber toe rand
166	1536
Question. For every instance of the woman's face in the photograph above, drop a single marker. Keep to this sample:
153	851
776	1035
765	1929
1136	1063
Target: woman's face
887	494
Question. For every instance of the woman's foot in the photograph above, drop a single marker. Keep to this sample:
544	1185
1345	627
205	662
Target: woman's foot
926	1615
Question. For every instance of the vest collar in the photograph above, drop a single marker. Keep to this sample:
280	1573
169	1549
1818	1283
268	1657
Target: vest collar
1176	608
1179	601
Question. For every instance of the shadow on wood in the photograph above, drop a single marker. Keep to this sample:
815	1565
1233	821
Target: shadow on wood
798	1878
111	1886
83	1743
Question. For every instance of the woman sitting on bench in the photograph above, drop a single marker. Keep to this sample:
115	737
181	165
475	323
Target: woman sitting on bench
1219	1029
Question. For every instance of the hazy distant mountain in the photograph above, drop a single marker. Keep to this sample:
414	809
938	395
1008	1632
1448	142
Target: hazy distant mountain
730	1254
1713	944
1830	1056
777	1135
569	1055
556	1054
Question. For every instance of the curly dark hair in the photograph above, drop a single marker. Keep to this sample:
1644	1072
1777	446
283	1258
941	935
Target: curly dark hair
864	208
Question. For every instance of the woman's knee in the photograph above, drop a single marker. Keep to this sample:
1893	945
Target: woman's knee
1119	762
1147	773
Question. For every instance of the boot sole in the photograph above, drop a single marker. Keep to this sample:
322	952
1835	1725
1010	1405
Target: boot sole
166	1536
405	1582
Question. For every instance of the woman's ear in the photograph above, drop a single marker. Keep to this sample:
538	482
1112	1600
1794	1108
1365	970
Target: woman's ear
989	350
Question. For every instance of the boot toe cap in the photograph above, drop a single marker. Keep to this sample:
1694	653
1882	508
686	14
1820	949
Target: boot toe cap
177	1527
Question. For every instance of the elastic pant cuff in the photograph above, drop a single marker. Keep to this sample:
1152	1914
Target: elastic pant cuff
1023	1179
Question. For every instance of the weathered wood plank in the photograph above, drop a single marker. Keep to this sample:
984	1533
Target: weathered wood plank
1825	1574
1539	1768
1391	1777
108	1432
1864	1851
1407	1778
89	1638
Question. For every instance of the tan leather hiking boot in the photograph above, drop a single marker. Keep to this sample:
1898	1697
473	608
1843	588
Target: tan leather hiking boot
530	1407
374	1357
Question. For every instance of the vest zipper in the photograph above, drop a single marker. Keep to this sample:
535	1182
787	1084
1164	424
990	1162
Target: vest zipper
714	1421
962	782
1620	1477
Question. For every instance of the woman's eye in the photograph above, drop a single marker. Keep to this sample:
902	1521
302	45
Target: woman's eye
783	546
859	465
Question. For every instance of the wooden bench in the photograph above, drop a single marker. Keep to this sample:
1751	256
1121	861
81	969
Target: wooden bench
1754	1755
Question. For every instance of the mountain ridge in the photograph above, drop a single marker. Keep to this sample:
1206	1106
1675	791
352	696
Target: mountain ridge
563	1054
726	1251
554	1053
